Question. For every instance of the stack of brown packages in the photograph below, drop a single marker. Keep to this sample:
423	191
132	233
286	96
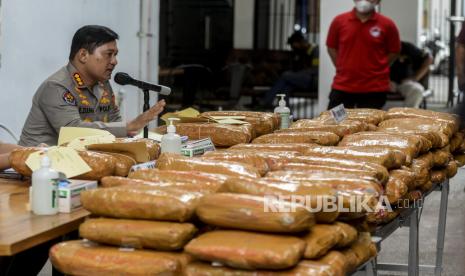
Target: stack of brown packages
380	157
143	228
103	160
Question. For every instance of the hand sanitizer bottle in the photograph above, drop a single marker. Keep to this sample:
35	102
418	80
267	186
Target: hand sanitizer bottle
283	111
44	194
171	142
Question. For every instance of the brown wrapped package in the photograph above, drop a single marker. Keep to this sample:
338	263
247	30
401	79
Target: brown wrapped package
426	187
451	120
451	168
320	239
410	145
138	233
81	258
342	129
255	213
380	171
101	164
333	171
193	177
169	161
318	137
262	187
141	203
239	156
360	251
349	234
367	115
421	167
438	176
276	159
388	158
330	265
396	188
415	144
381	217
347	189
202	187
262	122
301	148
437	132
123	163
221	135
153	147
299	175
456	141
441	158
339	131
247	250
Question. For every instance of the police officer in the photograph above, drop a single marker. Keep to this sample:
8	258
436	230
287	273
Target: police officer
79	94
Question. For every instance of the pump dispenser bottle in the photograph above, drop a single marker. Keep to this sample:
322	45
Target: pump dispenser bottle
171	142
283	111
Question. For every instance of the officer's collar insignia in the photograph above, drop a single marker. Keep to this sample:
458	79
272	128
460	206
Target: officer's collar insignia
77	78
69	99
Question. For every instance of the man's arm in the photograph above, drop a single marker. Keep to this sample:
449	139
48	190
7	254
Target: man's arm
60	113
460	62
424	68
333	55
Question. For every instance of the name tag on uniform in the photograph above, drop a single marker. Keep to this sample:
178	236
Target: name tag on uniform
105	108
86	110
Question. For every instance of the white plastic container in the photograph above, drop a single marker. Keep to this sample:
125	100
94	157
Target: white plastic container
171	142
283	111
44	193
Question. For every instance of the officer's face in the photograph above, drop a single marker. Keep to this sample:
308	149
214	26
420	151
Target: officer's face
102	61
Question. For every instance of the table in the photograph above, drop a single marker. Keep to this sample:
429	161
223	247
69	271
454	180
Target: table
410	217
20	229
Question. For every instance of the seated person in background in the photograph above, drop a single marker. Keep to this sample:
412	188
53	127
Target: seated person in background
304	65
79	94
407	73
5	150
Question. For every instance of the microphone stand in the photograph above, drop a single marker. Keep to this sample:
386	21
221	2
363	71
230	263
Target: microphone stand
145	108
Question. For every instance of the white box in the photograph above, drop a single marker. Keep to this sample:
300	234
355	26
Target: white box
69	193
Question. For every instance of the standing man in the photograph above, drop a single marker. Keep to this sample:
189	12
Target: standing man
304	66
408	73
362	44
80	95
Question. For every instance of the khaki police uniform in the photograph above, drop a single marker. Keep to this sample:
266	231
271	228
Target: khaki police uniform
64	100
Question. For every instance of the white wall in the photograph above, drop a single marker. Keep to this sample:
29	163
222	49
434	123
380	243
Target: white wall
35	41
328	10
243	24
407	15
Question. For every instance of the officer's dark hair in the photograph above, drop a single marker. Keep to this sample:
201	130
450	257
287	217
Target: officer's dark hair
90	37
296	37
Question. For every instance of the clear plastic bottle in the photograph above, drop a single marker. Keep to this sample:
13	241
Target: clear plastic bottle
171	142
44	193
283	111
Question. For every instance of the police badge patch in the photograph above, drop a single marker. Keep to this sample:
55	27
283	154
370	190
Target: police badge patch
69	99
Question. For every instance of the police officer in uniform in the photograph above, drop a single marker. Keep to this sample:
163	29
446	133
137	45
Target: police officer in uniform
79	94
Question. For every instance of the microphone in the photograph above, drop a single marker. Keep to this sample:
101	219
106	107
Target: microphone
124	79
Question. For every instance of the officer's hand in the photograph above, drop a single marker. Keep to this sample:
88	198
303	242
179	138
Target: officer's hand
145	118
